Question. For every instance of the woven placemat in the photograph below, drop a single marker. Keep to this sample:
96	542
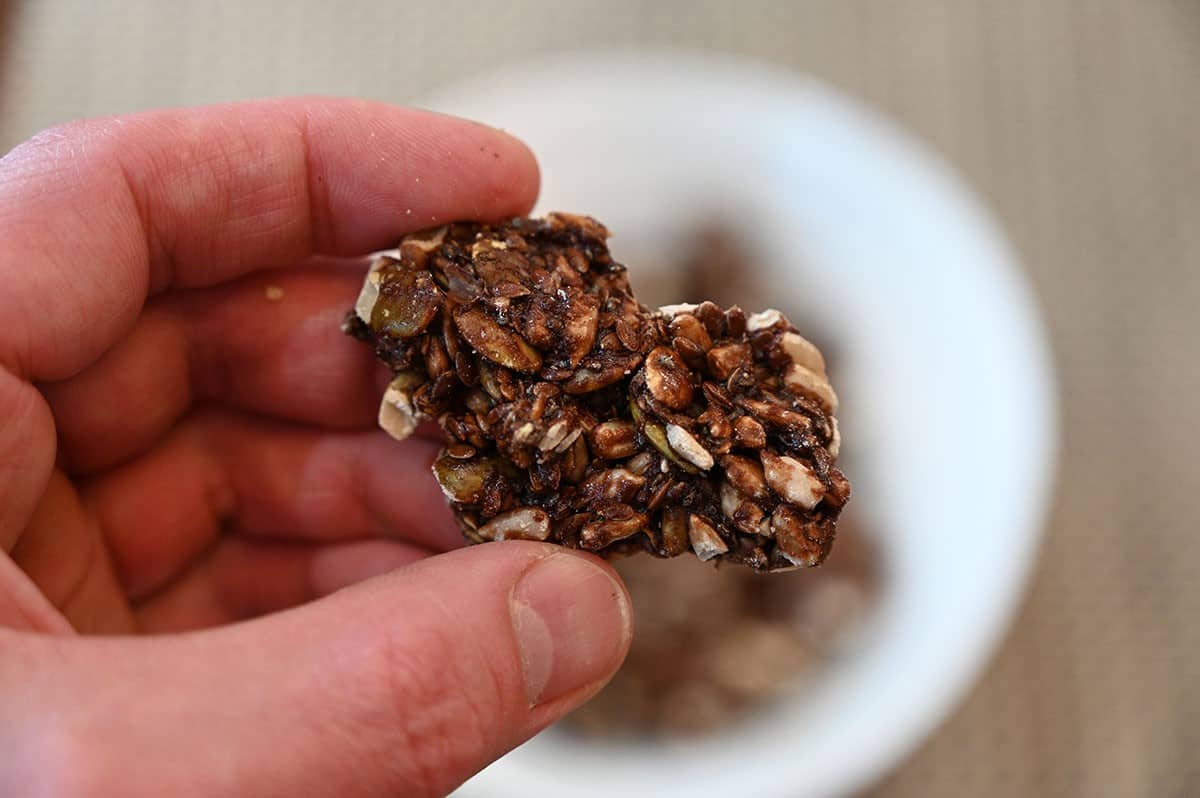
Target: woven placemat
1080	124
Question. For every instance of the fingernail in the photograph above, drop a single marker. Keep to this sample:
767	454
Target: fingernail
572	622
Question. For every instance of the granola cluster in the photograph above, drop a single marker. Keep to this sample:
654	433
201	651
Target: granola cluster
574	414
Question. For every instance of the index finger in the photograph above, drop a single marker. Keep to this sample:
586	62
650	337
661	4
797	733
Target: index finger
97	215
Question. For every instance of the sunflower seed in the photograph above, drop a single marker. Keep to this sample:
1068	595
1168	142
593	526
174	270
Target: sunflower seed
523	523
397	416
673	310
598	534
555	434
791	538
745	475
802	352
791	479
765	320
802	380
687	447
370	288
658	438
617	484
704	538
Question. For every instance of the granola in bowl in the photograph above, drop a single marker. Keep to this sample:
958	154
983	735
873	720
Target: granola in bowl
755	642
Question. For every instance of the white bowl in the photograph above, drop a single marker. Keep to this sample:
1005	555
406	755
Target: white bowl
943	371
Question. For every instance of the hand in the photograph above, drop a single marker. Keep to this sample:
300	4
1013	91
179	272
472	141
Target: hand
187	442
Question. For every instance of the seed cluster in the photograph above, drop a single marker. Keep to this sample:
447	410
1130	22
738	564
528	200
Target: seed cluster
574	414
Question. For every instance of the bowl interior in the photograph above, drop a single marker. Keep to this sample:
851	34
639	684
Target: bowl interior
942	369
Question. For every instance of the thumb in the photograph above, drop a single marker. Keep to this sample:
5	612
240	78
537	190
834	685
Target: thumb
403	685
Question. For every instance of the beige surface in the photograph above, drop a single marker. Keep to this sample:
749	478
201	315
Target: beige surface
1080	122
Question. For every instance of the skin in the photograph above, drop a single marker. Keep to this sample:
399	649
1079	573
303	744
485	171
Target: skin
217	577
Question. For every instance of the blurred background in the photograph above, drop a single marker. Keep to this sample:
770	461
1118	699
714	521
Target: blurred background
1079	124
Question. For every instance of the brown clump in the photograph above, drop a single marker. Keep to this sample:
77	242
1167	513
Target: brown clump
574	414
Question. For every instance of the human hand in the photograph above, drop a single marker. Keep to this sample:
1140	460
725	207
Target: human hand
187	442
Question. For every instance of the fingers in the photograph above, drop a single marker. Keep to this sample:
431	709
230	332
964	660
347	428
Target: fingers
282	351
271	343
63	553
225	472
97	214
22	605
26	454
26	461
244	578
127	400
403	685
